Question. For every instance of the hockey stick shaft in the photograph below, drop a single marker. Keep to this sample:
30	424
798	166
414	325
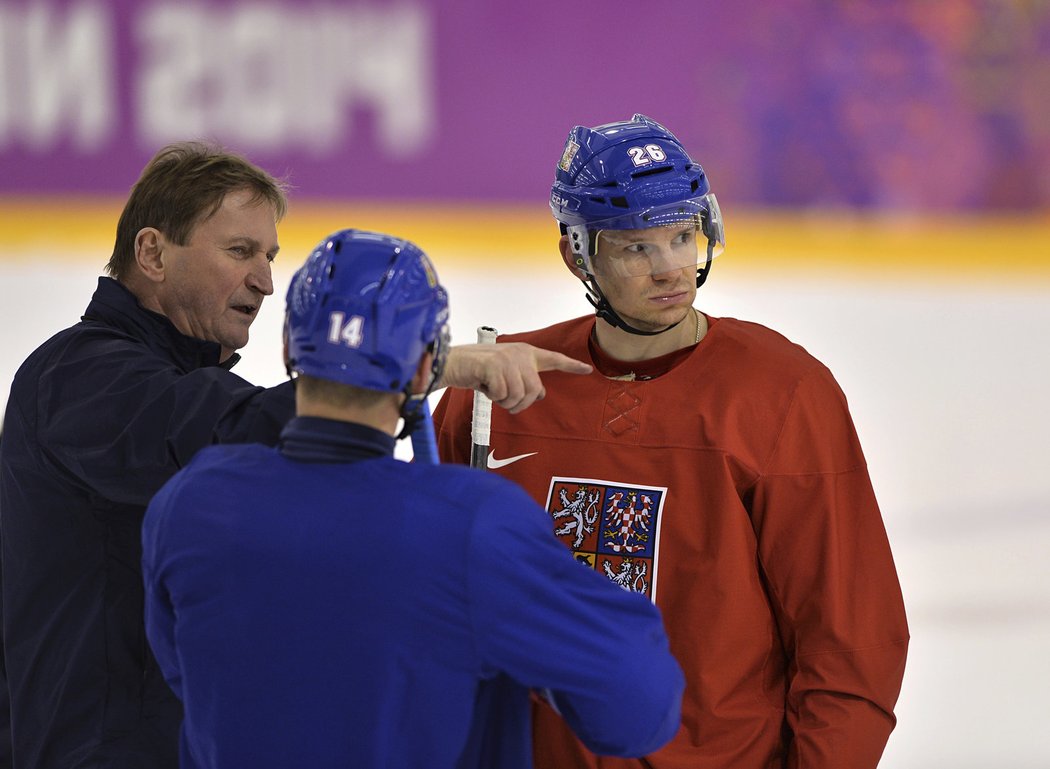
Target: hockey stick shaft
481	420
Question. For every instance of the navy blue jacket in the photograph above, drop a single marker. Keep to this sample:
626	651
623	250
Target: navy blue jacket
326	605
99	417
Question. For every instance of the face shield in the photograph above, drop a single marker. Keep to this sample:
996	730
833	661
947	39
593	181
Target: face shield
651	242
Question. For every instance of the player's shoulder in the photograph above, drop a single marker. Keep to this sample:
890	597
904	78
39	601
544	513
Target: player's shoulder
212	465
467	488
458	479
483	506
762	343
220	455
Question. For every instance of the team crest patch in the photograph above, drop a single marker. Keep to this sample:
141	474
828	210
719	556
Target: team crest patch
611	527
571	148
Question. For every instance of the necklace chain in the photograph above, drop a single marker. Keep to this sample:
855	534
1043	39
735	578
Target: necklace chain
631	376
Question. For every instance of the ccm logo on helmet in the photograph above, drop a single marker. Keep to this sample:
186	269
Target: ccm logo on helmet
351	333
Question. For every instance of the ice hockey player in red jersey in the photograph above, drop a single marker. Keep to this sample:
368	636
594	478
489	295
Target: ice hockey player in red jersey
710	464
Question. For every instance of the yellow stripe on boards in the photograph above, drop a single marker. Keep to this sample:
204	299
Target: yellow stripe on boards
1010	247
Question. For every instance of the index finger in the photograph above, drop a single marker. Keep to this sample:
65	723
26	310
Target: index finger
549	360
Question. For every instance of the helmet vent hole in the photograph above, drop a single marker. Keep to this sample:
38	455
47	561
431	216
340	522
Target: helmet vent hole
596	199
619	202
651	172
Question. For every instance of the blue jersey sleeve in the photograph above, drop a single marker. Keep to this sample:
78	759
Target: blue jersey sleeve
553	624
159	611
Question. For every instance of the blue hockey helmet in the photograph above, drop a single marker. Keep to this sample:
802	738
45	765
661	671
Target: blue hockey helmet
632	174
363	310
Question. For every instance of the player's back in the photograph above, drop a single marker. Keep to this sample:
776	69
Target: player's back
318	589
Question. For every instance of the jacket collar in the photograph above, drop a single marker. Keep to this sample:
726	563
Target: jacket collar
113	304
314	439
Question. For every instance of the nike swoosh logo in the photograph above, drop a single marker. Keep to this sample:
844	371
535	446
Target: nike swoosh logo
495	464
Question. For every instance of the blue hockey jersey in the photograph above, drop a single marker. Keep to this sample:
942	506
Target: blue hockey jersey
323	604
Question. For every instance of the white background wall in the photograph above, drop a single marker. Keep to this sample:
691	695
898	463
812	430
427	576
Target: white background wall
948	386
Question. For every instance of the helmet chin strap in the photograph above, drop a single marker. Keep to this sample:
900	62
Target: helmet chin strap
604	310
412	408
412	414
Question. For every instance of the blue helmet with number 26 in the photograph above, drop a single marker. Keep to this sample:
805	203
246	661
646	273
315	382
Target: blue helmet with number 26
630	175
363	310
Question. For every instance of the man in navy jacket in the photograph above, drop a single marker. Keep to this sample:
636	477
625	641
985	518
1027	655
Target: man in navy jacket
98	418
102	414
322	604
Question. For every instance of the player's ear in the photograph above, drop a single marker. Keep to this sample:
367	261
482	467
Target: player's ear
569	258
149	253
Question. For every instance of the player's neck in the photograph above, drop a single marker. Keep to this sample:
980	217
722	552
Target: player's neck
383	417
625	346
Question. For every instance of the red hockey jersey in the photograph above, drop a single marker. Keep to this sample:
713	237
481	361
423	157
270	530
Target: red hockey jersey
732	490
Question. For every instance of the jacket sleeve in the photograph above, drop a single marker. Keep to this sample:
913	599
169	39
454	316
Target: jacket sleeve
553	624
6	758
824	551
121	421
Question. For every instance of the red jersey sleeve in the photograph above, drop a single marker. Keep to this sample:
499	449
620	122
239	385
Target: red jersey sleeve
824	551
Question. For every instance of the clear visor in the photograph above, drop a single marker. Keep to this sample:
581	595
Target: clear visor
441	348
655	241
658	240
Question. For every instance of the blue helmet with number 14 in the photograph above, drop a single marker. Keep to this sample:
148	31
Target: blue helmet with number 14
629	175
363	310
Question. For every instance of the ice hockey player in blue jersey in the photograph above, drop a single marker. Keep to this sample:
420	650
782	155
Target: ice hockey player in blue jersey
323	604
